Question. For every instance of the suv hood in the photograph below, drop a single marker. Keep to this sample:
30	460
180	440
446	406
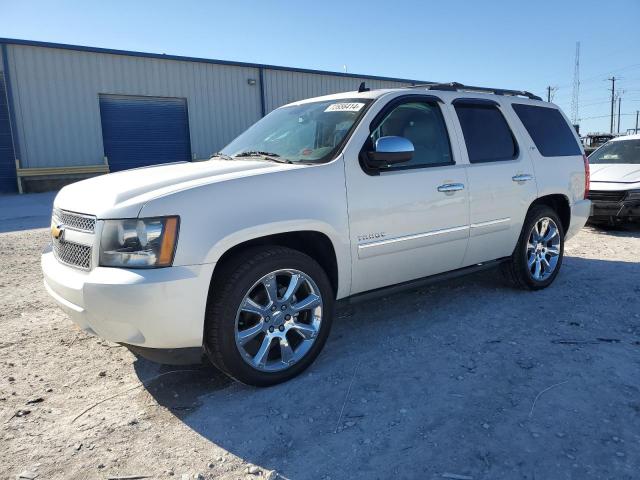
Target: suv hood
123	194
615	173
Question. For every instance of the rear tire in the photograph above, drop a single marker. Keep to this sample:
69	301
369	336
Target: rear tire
268	316
537	258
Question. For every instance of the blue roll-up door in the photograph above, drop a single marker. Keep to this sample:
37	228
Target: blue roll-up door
141	131
8	182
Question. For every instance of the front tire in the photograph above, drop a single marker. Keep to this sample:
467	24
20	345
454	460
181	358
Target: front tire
537	258
268	316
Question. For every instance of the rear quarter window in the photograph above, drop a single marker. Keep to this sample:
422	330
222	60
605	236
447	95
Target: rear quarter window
548	129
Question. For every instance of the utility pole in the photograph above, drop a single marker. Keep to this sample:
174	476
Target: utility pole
619	102
550	92
613	99
637	112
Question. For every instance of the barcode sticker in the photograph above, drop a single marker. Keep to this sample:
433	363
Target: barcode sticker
345	107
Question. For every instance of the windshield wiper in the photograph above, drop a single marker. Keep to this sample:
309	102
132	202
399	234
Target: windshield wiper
273	157
221	155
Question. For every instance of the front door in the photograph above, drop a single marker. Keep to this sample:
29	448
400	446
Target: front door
408	220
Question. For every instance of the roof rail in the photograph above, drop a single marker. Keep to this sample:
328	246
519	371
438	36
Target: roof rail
457	87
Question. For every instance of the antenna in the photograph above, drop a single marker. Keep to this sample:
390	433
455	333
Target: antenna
576	87
363	88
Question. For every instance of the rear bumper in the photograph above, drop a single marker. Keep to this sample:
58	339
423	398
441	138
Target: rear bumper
156	308
579	215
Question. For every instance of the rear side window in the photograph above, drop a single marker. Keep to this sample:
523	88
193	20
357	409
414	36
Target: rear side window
548	130
486	133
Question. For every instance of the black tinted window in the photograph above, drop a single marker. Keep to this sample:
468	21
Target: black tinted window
549	130
486	133
423	124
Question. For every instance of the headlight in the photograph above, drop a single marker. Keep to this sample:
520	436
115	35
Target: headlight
139	242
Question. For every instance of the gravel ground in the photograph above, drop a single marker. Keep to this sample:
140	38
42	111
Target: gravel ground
466	379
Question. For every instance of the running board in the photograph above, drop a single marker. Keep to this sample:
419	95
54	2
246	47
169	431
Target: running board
420	282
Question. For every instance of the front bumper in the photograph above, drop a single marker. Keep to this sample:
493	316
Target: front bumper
153	308
608	211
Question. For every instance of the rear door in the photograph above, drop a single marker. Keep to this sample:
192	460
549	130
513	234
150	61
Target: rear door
409	220
502	181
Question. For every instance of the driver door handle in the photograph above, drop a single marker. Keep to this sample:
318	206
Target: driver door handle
522	177
450	187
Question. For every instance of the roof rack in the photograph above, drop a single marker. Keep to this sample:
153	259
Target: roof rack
457	87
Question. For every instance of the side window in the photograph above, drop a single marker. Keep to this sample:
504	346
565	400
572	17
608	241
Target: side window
548	130
423	124
486	133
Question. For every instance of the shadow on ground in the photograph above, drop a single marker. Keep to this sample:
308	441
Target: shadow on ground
631	229
466	377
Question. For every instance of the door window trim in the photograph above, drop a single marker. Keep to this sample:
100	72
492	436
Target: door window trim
486	103
381	115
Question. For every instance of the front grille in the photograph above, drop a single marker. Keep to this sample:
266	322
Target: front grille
75	221
73	254
605	196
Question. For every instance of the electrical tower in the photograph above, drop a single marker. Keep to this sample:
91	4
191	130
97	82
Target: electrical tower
576	87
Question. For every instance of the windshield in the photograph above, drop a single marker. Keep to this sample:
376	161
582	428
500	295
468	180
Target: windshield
311	132
622	151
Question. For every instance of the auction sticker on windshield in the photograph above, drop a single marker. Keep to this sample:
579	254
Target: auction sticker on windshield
345	107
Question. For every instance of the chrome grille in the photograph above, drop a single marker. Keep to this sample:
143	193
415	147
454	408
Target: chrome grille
75	221
72	254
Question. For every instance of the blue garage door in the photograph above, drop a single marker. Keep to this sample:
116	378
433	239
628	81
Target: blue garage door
141	131
7	160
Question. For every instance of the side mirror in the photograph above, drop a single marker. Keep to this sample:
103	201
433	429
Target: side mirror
389	151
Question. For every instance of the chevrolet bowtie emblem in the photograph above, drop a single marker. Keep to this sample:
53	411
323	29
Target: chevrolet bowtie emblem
57	231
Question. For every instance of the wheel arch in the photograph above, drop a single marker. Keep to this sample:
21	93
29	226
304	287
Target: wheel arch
559	203
317	245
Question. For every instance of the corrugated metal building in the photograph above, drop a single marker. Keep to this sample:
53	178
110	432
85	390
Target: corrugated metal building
67	111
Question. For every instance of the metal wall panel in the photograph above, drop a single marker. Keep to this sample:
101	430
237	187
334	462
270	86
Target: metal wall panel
57	107
56	97
282	86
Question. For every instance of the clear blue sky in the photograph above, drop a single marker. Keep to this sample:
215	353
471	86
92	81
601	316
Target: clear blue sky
520	45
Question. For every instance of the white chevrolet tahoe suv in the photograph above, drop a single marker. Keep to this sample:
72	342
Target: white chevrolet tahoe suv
245	255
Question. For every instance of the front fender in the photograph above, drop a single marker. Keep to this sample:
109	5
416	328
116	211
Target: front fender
217	217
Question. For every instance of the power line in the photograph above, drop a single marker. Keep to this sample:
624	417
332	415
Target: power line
605	116
600	75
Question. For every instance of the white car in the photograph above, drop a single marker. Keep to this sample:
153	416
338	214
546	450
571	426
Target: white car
615	181
244	255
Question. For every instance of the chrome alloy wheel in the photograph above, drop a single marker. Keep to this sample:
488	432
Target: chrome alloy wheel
278	320
543	249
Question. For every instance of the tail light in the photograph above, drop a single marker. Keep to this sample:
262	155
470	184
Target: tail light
587	176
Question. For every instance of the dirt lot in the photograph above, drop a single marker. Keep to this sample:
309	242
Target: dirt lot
463	380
